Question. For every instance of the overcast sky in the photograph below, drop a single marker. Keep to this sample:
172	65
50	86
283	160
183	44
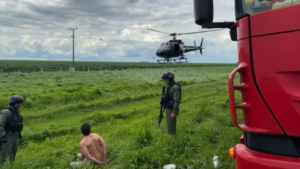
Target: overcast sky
39	30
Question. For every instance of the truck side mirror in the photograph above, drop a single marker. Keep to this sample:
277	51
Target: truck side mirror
204	16
203	11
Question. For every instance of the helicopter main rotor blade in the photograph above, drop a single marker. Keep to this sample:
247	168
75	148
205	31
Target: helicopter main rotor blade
158	31
198	32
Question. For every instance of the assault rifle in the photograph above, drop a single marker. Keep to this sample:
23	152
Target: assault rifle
162	105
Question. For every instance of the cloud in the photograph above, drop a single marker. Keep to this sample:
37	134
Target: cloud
41	28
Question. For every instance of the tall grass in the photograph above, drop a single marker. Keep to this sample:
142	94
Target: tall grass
36	66
123	108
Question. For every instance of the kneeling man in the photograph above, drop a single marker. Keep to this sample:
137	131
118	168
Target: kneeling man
93	148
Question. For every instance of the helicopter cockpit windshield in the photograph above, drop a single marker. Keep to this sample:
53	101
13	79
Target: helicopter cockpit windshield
167	46
164	46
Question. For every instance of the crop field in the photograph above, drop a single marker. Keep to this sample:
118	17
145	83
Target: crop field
38	66
123	107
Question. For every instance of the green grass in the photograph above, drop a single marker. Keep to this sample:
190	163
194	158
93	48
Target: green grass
38	66
123	107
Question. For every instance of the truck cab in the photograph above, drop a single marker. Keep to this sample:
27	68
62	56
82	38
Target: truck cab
268	37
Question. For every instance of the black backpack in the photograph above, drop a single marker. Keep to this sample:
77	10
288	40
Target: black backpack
15	124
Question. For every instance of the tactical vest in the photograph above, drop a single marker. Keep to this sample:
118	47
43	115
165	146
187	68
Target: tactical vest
169	98
15	123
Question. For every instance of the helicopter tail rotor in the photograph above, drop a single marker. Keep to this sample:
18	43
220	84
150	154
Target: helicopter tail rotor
195	46
201	46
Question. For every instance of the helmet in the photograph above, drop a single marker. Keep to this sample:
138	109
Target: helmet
16	99
168	75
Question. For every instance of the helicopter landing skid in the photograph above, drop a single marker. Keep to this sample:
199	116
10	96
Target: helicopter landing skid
179	59
164	61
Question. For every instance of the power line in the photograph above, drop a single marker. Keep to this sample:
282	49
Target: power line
73	36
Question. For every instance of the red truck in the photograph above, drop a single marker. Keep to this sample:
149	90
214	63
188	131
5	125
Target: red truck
268	37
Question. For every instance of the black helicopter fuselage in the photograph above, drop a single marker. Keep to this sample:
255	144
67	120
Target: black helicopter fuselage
175	48
170	49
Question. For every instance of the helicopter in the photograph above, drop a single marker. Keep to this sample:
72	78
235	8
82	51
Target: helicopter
175	48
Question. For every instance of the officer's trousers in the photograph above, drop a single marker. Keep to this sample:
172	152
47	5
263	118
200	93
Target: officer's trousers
10	148
171	122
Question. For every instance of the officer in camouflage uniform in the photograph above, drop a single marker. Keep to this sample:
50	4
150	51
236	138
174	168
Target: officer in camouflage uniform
11	125
172	101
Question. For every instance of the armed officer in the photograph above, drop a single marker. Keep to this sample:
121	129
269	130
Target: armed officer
11	125
171	101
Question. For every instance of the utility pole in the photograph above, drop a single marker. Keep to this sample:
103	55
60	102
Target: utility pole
73	29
